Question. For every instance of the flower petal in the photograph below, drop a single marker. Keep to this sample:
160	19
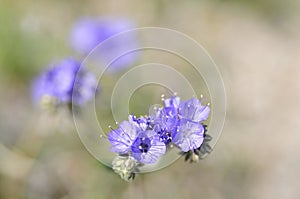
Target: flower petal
193	110
188	135
121	139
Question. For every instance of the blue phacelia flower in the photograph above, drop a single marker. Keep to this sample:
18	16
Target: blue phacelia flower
131	138
164	119
193	110
188	135
162	124
57	84
147	147
88	33
170	112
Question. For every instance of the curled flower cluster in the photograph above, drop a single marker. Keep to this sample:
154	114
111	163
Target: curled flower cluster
145	139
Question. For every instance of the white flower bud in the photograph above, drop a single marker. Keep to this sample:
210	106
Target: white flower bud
125	167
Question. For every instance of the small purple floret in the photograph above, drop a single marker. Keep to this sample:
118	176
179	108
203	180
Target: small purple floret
147	147
193	110
188	135
144	145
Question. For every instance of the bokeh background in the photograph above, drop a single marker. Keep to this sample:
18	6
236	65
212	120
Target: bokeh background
255	43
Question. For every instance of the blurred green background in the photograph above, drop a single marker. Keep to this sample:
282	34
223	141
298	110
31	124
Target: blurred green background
255	43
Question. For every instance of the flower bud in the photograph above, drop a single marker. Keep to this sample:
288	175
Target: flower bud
125	167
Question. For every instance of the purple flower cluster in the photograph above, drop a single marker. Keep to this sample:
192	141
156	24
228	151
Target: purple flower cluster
148	138
58	84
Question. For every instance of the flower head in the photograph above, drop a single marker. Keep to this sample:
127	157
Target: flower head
56	84
199	153
193	110
188	135
131	138
162	124
164	119
170	112
147	147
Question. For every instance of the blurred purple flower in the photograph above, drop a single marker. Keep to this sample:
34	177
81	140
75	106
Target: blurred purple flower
87	33
57	83
188	135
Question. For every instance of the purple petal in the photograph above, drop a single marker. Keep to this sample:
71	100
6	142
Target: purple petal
141	122
173	102
164	119
193	110
122	138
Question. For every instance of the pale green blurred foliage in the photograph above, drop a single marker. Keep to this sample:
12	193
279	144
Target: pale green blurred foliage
256	45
